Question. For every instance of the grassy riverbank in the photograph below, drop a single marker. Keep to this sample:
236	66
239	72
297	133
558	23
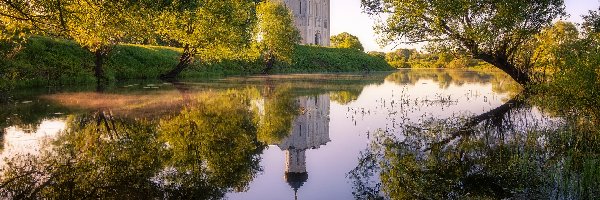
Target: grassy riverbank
46	61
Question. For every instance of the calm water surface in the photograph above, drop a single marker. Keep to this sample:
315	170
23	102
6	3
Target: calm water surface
433	134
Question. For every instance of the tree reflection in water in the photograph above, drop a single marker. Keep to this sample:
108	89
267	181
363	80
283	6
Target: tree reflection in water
202	152
203	140
213	146
509	152
97	156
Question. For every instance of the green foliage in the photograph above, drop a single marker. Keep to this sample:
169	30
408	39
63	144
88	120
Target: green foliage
207	149
400	57
377	54
11	39
276	33
105	156
322	59
141	61
346	40
47	61
493	31
411	58
494	158
572	68
212	30
592	22
31	16
549	48
96	25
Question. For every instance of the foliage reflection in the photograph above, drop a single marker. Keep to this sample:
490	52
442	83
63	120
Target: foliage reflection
204	151
190	142
510	152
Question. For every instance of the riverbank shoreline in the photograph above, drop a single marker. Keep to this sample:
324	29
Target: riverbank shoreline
48	61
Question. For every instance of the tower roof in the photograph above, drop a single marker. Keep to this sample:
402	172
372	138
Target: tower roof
296	180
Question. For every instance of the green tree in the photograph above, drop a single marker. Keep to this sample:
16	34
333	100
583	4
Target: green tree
592	21
8	38
20	18
96	25
400	57
346	40
39	16
377	54
212	30
572	61
443	59
276	34
492	31
550	46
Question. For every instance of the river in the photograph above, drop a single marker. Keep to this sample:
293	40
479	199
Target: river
408	134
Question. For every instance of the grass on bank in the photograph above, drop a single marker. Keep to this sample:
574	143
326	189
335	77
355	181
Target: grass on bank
48	61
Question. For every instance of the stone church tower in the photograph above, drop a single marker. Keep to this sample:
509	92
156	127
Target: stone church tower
312	20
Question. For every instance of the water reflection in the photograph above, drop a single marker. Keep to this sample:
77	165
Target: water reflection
310	130
447	134
203	152
509	152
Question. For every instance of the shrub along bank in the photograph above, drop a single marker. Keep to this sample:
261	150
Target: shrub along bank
49	61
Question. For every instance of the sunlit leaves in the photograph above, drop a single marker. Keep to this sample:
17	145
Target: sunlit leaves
214	29
275	34
489	30
551	46
346	40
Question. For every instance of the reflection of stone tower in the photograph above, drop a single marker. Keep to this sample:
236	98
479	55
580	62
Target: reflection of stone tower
310	130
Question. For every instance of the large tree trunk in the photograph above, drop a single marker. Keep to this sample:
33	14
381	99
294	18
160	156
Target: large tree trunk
99	66
501	62
269	63
184	61
100	55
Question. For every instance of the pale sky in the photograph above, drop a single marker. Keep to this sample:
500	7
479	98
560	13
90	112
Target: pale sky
347	16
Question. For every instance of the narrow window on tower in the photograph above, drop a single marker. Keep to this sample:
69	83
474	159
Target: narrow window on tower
300	6
316	9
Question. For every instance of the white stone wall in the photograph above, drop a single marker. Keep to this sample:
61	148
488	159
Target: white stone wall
312	18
